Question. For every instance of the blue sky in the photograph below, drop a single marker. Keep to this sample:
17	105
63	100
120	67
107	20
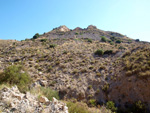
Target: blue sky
21	19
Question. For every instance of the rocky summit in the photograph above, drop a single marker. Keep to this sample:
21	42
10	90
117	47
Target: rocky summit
89	69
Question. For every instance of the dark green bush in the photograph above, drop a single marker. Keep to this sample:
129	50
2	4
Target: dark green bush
137	40
111	105
16	75
99	52
118	41
108	52
105	88
137	107
103	39
89	40
113	38
43	40
76	33
111	43
36	36
92	102
52	45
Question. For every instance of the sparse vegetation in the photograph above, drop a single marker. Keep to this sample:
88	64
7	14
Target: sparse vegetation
72	66
16	75
77	108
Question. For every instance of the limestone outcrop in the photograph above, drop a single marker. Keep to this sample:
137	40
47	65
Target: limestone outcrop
12	100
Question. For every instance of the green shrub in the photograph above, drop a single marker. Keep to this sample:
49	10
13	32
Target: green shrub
137	40
16	75
105	88
113	38
137	107
118	41
89	40
121	47
90	87
36	36
99	52
52	45
65	52
92	102
49	93
103	39
43	40
98	74
76	108
76	33
111	43
111	105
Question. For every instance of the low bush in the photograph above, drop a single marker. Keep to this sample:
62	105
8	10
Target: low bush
77	108
118	41
49	93
89	40
103	39
16	75
113	38
52	45
99	52
43	40
108	52
137	40
92	102
111	43
122	48
76	33
111	105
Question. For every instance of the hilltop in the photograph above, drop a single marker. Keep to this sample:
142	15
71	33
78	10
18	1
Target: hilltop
87	65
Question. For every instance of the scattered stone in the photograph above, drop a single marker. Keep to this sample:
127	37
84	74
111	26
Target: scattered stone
11	100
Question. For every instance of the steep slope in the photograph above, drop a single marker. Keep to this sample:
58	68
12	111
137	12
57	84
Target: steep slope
67	61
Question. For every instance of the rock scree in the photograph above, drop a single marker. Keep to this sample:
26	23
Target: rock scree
11	100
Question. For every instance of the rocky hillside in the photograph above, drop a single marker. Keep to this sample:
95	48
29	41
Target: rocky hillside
89	65
11	100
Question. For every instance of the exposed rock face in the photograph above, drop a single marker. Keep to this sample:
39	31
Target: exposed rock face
77	28
62	28
11	100
91	27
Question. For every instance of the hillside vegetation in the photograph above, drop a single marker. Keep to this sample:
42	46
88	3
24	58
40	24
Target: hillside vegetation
99	68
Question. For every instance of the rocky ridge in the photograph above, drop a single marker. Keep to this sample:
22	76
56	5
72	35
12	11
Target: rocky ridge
11	100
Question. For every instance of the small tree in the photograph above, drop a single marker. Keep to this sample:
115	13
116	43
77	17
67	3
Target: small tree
103	39
36	36
137	40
